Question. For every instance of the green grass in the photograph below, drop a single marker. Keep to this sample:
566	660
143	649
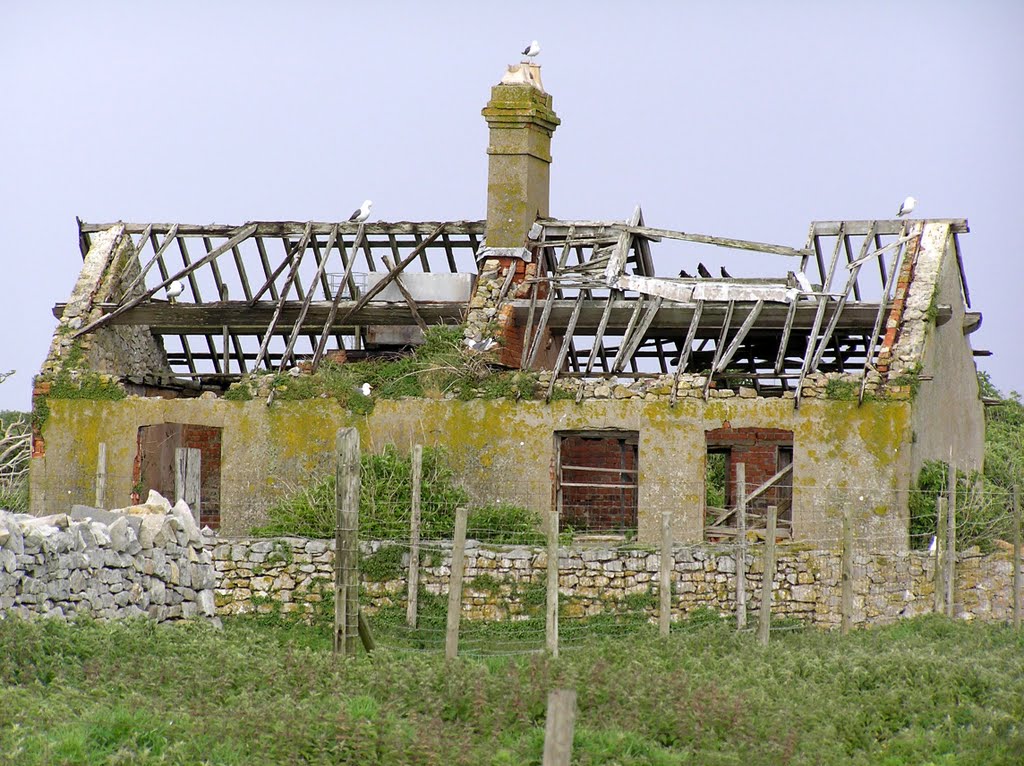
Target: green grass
258	692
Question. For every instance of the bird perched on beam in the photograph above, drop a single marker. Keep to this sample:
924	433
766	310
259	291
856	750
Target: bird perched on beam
725	274
684	274
703	271
907	207
362	213
174	289
531	50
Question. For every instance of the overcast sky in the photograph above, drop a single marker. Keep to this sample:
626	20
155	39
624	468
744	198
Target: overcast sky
738	119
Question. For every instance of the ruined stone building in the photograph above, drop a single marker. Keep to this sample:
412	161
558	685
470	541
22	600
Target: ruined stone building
830	381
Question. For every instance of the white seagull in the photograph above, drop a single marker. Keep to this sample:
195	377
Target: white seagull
362	213
481	345
531	50
174	289
907	207
365	389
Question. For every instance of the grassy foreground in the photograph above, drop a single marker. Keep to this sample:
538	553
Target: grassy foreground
928	691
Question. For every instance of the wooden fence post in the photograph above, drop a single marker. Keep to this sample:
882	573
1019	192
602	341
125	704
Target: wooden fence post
940	550
551	622
346	541
559	727
101	475
451	641
412	601
1016	558
846	597
665	575
768	579
951	542
741	548
187	477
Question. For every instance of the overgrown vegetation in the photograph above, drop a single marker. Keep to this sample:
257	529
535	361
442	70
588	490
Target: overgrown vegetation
714	479
441	366
923	691
74	380
385	504
983	500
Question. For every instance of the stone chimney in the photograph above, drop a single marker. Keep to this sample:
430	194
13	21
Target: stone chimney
521	122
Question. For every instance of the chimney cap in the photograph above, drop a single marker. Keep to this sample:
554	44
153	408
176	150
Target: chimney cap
523	74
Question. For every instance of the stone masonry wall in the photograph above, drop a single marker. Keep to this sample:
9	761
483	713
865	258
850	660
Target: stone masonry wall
146	561
506	582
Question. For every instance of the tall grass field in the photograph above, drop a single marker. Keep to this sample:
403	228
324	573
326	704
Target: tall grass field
266	691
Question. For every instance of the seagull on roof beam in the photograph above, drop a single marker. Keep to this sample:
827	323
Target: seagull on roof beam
725	274
531	50
703	271
684	274
362	213
907	207
174	289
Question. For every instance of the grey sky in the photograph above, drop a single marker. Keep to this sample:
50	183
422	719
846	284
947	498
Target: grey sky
738	119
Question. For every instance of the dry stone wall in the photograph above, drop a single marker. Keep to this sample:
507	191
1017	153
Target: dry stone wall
148	560
295	575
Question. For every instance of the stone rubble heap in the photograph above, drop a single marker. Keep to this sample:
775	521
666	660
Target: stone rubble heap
146	559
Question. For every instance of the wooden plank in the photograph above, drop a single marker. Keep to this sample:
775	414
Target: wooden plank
187	473
733	244
940	550
296	228
101	475
377	288
297	324
739	337
346	542
591	469
665	575
295	256
451	641
903	252
157	252
950	578
769	484
768	579
332	312
412	600
528	327
243	234
551	614
787	328
548	302
822	302
559	727
893	226
719	346
267	272
960	267
632	342
741	546
406	295
564	349
684	354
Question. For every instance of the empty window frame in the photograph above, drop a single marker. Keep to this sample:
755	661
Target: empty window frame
596	480
767	457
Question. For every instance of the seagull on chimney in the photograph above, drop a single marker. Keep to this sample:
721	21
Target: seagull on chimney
703	271
531	50
907	207
174	289
362	213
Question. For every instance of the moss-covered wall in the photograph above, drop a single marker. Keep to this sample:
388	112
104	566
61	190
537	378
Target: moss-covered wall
844	455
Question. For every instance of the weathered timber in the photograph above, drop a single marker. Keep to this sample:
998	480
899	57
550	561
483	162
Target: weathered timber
296	228
894	226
